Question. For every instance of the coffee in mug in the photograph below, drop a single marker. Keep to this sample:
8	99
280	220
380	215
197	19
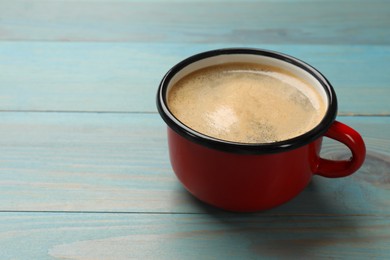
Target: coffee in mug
246	102
245	127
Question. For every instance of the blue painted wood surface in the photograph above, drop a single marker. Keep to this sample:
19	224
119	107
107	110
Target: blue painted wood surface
192	236
52	76
84	168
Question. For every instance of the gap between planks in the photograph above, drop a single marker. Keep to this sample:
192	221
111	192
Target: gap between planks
215	212
155	112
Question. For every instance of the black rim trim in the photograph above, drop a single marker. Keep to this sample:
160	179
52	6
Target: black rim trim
246	148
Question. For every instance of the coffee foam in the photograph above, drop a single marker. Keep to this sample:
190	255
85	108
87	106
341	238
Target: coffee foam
246	103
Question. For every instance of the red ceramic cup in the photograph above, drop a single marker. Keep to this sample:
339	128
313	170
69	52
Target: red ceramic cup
251	177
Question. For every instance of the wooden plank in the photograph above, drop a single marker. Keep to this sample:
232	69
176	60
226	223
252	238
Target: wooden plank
303	22
119	163
204	236
125	76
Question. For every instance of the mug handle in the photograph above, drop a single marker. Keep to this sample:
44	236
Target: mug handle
352	139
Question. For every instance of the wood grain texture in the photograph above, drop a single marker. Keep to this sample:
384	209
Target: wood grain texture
233	22
125	76
119	163
192	236
87	175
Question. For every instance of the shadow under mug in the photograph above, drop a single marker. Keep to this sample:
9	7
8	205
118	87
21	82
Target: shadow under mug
251	177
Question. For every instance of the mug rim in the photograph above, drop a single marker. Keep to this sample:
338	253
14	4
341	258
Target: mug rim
238	147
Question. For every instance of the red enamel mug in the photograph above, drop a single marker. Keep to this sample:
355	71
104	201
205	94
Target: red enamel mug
249	177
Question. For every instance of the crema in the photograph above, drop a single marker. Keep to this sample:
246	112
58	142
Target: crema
246	103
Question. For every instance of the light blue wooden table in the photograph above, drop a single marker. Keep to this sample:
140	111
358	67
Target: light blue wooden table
84	169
